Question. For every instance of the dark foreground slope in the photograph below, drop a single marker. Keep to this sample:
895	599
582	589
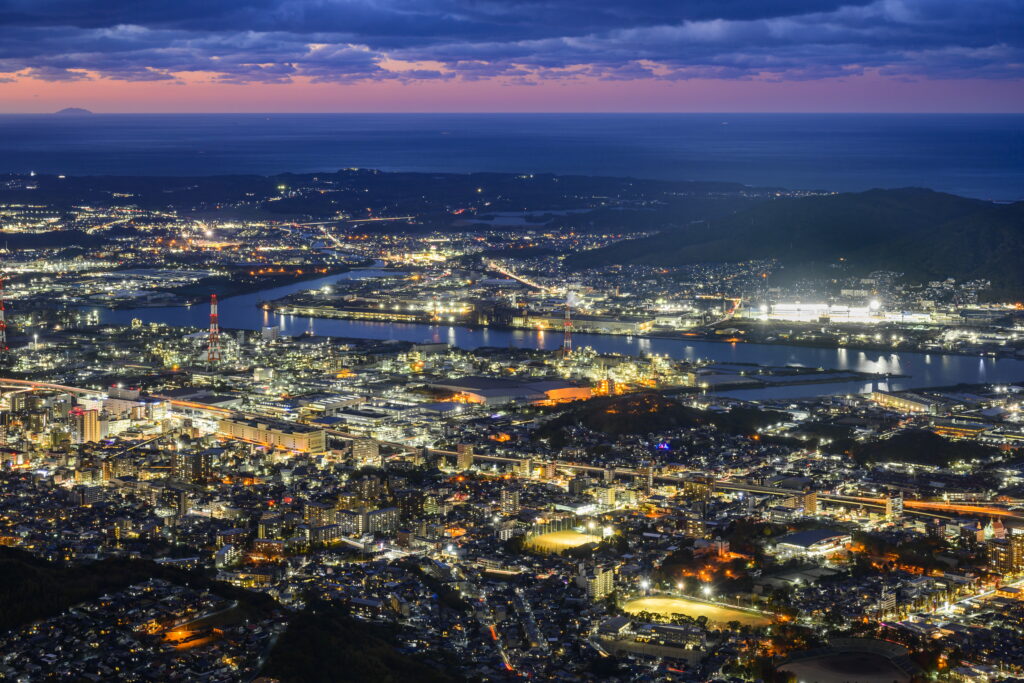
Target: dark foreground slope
922	233
32	588
322	642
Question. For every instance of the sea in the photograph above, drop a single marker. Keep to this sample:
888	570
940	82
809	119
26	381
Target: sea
971	155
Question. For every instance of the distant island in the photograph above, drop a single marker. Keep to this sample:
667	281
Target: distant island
73	111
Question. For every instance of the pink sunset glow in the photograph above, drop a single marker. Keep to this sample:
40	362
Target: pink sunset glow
867	93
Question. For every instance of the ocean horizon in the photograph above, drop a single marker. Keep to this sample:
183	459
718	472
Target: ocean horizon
973	155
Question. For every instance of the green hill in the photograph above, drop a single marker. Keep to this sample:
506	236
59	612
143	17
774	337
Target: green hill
921	448
924	234
648	411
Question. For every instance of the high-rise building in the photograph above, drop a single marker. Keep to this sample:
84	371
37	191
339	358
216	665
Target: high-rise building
887	603
599	581
383	521
894	507
85	425
525	467
1006	555
349	521
579	484
698	488
369	488
509	502
645	477
696	527
410	503
183	502
431	505
366	451
999	555
1016	541
194	467
270	525
608	495
113	468
811	503
86	495
464	457
317	514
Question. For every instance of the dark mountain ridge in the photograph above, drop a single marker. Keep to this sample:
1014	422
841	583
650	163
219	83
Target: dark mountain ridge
922	233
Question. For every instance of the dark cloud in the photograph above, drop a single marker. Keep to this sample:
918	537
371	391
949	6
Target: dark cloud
516	40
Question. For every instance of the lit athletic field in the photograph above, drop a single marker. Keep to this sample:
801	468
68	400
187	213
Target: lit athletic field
558	541
718	615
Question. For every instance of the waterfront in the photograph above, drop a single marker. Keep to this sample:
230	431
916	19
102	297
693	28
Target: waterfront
918	370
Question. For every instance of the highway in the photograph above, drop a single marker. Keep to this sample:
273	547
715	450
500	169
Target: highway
911	506
21	383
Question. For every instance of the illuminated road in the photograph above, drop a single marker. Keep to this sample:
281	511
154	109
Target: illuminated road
46	385
495	636
518	278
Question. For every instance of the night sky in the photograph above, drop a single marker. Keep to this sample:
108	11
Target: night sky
512	55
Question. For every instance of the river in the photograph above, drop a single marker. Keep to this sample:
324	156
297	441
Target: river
922	370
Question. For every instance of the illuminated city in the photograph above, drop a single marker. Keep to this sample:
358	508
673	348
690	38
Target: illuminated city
555	372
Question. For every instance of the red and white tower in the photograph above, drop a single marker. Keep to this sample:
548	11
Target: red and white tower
213	349
567	342
3	319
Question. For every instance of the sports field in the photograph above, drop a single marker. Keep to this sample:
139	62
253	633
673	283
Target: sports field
558	541
668	606
847	667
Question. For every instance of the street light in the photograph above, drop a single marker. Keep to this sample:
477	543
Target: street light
706	589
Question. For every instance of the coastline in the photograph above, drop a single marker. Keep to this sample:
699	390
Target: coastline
677	336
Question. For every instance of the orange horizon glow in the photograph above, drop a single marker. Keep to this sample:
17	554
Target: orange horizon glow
201	93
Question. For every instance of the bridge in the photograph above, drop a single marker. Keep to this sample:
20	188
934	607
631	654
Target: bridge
940	509
30	386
